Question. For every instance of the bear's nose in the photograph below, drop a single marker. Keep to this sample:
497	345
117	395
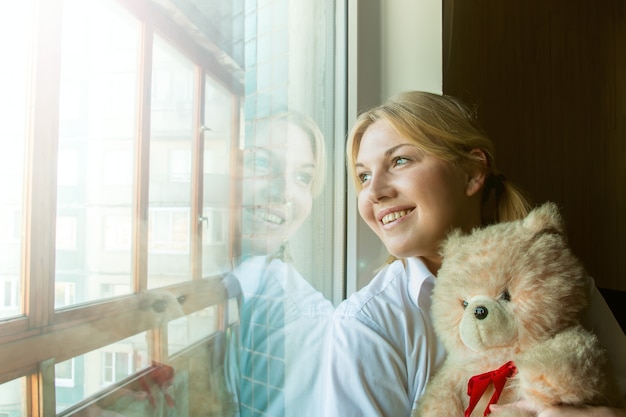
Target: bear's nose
481	312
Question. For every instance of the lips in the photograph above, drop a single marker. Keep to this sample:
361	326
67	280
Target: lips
266	215
393	216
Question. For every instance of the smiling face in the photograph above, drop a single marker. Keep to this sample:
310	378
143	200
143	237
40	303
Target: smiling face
411	199
278	173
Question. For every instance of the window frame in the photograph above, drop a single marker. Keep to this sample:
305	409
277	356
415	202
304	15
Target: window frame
28	342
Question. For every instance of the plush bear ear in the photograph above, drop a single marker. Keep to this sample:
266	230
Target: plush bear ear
545	218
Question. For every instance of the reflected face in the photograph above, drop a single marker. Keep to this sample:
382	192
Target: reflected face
278	173
408	198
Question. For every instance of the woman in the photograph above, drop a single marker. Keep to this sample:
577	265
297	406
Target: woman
422	167
284	319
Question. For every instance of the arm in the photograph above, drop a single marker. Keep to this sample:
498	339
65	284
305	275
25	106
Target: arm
599	319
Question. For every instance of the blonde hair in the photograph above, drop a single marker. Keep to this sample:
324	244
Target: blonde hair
442	126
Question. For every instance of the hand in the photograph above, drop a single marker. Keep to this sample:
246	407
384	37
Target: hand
565	411
583	412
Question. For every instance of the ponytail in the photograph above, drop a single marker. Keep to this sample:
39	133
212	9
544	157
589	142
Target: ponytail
503	201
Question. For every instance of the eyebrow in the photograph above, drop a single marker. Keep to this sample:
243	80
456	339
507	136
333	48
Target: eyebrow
389	152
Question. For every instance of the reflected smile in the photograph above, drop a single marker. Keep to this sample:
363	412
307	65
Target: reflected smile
266	215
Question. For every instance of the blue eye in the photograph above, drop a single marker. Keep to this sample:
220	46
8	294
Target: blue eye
261	163
257	163
364	177
304	178
400	160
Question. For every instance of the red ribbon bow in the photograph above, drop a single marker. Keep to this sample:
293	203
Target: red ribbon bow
478	384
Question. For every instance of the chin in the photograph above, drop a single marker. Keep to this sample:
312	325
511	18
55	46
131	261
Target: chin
402	251
260	247
401	255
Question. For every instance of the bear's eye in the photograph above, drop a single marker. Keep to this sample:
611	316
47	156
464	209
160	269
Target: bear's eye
465	304
505	296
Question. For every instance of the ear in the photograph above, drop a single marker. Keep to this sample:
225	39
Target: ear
545	218
476	178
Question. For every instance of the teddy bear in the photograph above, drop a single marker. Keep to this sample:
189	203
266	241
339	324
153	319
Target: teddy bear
507	306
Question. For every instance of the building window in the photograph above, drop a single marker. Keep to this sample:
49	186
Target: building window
9	294
64	294
66	233
169	231
117	232
180	165
116	366
64	374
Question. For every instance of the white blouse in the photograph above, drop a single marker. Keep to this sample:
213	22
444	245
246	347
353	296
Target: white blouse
382	346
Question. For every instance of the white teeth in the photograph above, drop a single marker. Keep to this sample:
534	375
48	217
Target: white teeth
268	217
395	216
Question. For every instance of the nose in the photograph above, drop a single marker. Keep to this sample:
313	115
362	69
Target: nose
379	188
481	312
278	188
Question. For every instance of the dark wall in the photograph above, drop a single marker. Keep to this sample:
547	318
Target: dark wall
549	80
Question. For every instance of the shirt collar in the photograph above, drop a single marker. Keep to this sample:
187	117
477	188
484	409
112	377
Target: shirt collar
421	282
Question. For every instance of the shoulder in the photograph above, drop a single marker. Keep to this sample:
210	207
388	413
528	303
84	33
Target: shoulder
390	299
385	286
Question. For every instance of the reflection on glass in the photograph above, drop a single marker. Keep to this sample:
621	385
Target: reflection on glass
284	319
169	223
84	376
12	398
217	191
15	38
96	152
190	329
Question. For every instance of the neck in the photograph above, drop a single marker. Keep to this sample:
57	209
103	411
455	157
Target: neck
432	263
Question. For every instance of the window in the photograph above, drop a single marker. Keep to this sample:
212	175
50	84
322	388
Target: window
116	366
16	24
10	293
168	231
67	174
117	232
12	397
64	374
130	200
180	165
66	233
64	294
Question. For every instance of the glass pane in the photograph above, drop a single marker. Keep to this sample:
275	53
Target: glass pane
96	152
83	376
185	331
15	40
217	188
12	398
192	385
288	235
169	223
